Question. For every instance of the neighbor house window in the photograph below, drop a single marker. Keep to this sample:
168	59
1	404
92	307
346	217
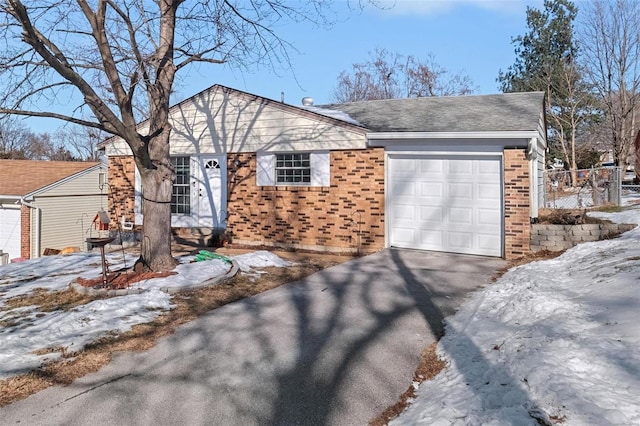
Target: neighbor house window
181	195
293	168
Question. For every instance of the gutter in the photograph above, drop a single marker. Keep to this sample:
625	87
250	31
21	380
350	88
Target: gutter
37	234
383	138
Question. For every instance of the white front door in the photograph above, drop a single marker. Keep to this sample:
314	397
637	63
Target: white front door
445	203
211	197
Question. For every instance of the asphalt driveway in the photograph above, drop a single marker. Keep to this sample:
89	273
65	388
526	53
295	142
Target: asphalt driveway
336	348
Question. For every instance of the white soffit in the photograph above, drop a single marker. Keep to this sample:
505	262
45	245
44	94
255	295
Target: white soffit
391	138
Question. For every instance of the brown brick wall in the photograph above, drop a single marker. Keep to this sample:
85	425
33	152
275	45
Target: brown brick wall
25	232
121	175
348	215
517	203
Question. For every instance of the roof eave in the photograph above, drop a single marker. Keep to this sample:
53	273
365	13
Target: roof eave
10	197
387	138
35	192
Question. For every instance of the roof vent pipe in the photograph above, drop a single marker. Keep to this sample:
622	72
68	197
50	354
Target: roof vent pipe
307	101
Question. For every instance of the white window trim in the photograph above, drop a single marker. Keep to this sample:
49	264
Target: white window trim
298	169
320	169
137	204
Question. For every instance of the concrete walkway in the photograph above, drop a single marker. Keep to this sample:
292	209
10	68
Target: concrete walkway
336	348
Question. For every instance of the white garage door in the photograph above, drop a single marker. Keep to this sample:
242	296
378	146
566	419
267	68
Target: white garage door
10	232
445	203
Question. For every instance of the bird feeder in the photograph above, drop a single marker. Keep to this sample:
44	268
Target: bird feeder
101	222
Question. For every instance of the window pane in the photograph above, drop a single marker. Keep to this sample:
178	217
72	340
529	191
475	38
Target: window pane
181	195
293	168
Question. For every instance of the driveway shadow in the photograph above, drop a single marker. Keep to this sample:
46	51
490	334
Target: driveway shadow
335	348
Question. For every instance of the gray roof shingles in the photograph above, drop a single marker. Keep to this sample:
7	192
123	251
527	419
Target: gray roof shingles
480	113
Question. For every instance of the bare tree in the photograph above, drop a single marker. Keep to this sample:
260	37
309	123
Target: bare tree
428	78
18	142
573	113
546	60
610	39
389	75
81	142
121	58
40	147
14	138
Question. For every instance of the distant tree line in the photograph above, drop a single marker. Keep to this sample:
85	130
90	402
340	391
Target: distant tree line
590	72
387	75
18	142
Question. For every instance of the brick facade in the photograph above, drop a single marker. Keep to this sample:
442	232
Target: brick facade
25	232
348	215
517	204
121	177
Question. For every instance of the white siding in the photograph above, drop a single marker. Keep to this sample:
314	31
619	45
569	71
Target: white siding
87	183
67	221
219	122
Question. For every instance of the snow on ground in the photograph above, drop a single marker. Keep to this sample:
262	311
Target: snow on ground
260	259
554	340
54	272
26	333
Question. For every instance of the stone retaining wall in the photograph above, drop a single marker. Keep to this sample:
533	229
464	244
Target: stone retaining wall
562	237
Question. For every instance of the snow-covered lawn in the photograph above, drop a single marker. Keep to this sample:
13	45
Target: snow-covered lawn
31	337
551	342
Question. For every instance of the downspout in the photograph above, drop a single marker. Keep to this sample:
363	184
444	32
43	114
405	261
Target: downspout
37	233
532	156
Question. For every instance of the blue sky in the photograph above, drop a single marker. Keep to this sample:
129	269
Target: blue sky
472	36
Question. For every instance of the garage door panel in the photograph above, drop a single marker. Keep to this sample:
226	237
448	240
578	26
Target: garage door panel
460	216
435	190
490	167
487	241
457	203
460	192
487	192
488	217
403	212
429	240
405	166
404	237
461	167
429	166
429	214
405	188
461	242
10	232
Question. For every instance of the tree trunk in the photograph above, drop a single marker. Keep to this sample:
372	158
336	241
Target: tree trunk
157	175
155	250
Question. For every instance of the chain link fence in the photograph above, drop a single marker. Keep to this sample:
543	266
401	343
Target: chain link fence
592	188
630	194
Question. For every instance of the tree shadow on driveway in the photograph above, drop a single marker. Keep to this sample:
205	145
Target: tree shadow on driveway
335	348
